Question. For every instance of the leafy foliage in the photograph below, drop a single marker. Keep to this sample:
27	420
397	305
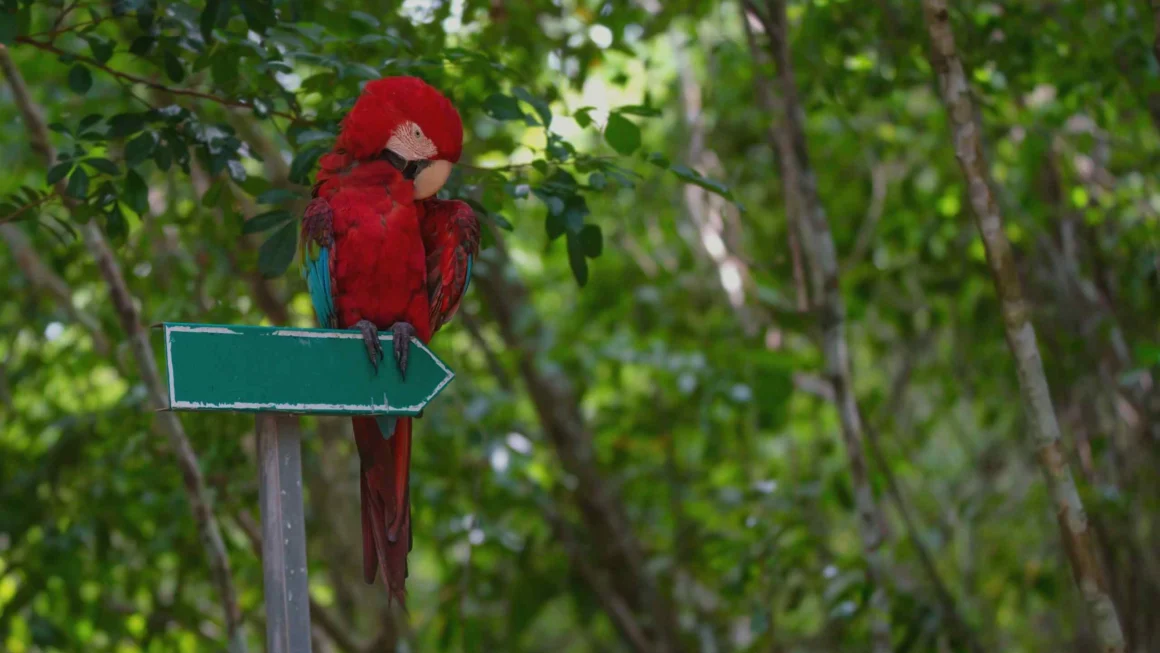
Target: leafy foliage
633	133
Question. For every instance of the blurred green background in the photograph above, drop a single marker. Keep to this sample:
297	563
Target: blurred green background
641	451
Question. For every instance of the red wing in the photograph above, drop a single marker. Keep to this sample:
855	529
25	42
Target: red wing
451	240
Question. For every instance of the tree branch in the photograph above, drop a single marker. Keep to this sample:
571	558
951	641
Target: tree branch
821	256
600	505
494	365
768	100
123	76
707	211
618	611
43	278
28	207
1073	522
122	300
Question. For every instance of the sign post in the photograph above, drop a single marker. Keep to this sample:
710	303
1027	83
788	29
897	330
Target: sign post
276	372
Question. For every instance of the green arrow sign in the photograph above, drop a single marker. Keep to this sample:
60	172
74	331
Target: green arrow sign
285	370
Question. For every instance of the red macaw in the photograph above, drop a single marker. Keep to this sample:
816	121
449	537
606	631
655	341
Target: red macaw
380	252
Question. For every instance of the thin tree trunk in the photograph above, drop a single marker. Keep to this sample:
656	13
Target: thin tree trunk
1073	522
44	279
706	211
768	101
822	260
194	482
619	554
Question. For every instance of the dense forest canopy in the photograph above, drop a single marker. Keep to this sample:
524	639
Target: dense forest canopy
798	326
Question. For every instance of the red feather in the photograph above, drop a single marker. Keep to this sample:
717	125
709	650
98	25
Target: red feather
386	507
450	236
379	274
380	271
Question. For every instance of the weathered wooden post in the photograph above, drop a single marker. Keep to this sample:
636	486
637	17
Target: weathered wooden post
283	534
276	372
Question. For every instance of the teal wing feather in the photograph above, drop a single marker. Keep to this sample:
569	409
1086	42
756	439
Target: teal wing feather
318	260
386	425
316	270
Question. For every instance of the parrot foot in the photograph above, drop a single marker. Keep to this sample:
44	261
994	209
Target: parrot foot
370	335
403	332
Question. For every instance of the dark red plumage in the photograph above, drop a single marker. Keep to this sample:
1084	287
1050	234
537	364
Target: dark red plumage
451	238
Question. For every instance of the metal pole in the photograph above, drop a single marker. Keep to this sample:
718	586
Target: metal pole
283	534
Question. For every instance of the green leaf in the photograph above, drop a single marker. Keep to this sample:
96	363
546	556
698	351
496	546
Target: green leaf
313	135
276	196
555	204
78	183
140	148
555	225
163	157
173	67
89	121
145	16
686	173
577	260
502	107
210	18
259	14
265	221
498	220
622	134
639	110
106	194
213	194
365	18
539	105
359	71
225	70
102	50
59	171
142	45
657	159
575	210
124	124
9	26
583	117
591	240
1147	354
304	162
102	165
236	170
80	80
116	227
528	599
277	252
135	193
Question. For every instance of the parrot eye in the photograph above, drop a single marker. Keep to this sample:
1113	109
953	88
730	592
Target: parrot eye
418	132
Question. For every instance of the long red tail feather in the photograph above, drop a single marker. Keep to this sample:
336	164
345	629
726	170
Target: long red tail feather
386	509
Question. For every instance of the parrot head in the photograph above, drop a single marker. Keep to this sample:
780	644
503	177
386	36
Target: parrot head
407	123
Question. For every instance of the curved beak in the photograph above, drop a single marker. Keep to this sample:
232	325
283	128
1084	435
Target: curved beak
430	178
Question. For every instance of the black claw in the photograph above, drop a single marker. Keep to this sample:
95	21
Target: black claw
402	332
370	334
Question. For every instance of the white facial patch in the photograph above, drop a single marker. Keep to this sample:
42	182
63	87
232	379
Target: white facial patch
409	142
